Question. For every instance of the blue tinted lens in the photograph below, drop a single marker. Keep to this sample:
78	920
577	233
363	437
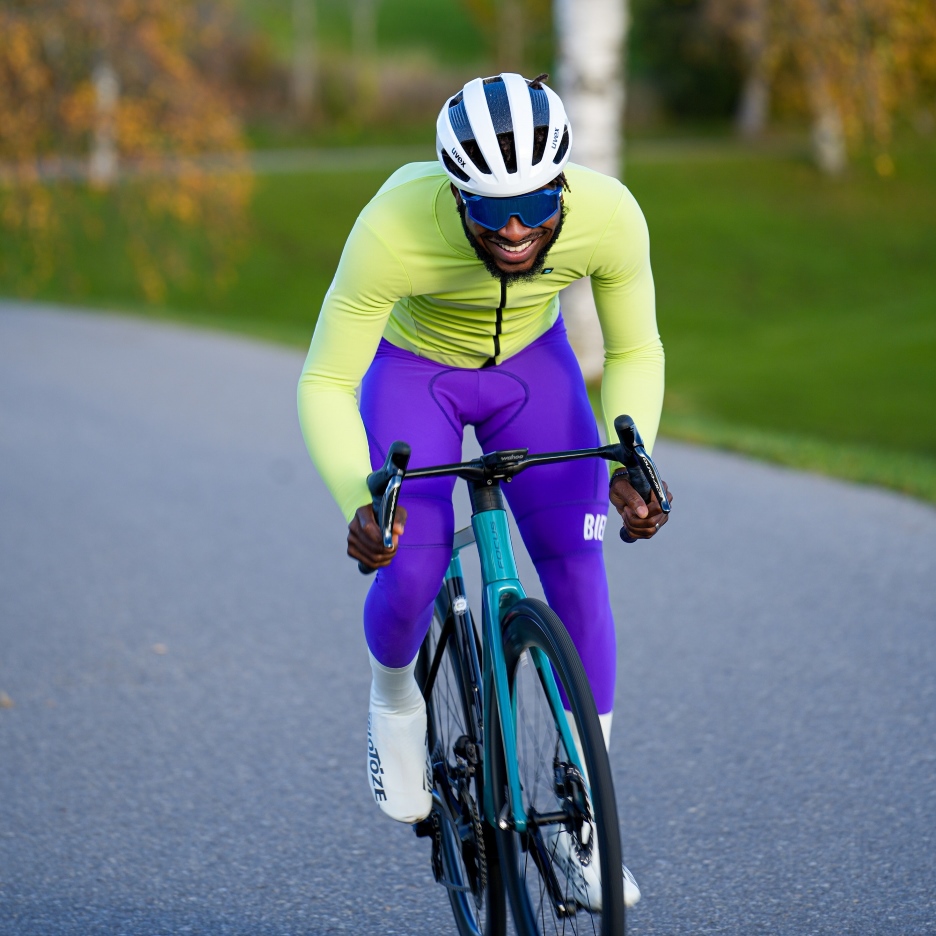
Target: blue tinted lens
532	209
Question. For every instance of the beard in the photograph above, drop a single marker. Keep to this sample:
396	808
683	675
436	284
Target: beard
491	266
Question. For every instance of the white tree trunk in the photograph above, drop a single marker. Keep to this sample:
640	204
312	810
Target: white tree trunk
751	119
102	164
590	37
828	129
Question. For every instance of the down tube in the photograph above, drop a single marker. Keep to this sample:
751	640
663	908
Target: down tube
502	589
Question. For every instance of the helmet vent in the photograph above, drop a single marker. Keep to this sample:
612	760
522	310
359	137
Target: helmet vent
563	146
460	123
508	150
496	93
540	136
449	164
473	152
540	103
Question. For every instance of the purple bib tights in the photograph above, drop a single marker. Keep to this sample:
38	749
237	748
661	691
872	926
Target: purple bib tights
536	400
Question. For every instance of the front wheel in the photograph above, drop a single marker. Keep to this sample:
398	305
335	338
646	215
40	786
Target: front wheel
563	874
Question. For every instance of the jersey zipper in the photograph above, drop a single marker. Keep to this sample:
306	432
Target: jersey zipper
498	322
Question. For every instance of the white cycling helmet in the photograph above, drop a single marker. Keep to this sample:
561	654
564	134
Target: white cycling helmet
500	136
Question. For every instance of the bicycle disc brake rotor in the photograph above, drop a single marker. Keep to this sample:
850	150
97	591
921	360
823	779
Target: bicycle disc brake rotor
573	795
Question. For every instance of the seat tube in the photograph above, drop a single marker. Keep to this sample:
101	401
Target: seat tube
502	589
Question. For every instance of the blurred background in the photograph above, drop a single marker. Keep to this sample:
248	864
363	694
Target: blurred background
204	162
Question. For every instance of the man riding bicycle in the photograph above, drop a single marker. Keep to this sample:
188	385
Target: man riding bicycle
444	310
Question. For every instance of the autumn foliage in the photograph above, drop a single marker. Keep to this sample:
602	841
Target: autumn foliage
856	65
116	95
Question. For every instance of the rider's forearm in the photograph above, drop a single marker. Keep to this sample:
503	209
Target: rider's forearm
633	384
331	423
622	283
368	281
334	435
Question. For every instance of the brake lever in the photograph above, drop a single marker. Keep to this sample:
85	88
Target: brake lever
384	486
641	470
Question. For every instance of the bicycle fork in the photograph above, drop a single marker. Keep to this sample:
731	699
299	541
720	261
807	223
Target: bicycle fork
501	590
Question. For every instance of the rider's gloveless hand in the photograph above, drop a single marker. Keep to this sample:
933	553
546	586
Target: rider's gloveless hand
364	540
641	520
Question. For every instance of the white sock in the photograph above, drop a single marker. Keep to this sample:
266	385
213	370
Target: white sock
397	756
394	690
604	721
606	728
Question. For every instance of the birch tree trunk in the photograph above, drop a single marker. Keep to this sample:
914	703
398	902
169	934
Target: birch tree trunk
751	119
590	38
102	164
828	130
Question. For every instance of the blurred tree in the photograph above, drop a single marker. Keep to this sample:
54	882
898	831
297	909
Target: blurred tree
857	64
746	21
590	36
515	31
120	84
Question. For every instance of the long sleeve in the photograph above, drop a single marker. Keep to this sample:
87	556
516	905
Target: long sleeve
622	283
369	280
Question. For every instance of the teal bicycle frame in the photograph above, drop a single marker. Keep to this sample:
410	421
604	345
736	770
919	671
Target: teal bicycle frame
502	590
501	583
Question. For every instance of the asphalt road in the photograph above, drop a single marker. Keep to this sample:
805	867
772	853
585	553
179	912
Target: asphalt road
184	680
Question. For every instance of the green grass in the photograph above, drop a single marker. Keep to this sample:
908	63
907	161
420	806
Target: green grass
444	31
798	313
793	303
866	464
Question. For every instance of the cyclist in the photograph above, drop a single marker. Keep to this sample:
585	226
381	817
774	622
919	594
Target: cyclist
444	310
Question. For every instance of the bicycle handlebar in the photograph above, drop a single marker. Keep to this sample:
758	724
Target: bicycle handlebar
384	484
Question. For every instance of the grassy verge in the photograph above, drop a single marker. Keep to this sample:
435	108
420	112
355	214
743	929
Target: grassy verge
906	472
901	471
797	312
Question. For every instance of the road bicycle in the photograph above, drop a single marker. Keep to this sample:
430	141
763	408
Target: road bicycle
523	798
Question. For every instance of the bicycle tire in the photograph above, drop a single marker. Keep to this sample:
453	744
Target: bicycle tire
542	904
467	852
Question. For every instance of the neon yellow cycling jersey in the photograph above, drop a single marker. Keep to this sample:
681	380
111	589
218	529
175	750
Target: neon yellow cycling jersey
409	274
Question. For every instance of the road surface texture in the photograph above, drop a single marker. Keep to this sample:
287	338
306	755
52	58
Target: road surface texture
184	680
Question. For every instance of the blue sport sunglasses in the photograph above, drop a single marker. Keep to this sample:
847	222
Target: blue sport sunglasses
533	209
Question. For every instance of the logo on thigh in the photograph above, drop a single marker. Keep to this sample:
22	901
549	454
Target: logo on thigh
595	526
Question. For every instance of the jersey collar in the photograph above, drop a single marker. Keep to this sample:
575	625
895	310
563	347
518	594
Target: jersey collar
449	223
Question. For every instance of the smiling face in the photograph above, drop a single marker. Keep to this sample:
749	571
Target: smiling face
514	252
